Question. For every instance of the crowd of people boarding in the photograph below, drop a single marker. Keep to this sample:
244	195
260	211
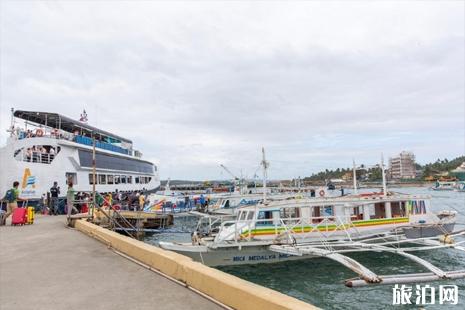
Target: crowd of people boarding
54	202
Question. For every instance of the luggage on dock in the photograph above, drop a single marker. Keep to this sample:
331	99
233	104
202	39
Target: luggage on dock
30	215
2	213
84	208
2	217
19	216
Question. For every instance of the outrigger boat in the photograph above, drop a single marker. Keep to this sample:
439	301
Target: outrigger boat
444	186
329	227
460	187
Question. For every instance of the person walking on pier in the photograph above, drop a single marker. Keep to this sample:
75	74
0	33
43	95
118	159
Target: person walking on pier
12	201
141	201
70	201
54	192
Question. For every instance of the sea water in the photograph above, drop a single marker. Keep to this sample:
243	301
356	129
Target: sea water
320	281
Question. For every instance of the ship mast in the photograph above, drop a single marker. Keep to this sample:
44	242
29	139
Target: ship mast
12	126
265	165
384	176
354	177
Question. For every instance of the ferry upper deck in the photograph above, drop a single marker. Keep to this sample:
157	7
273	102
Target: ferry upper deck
61	127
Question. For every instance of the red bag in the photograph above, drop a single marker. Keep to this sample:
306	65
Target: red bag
19	216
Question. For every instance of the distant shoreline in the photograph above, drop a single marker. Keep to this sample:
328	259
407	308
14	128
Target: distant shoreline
415	184
378	184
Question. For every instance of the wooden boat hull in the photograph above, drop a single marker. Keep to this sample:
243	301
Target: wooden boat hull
426	231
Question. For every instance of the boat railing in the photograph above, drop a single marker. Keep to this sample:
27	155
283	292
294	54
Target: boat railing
283	227
325	226
211	223
38	157
116	221
63	135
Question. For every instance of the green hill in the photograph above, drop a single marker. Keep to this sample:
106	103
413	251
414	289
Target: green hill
374	174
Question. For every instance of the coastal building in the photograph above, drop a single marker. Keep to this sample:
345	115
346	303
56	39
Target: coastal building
402	166
347	177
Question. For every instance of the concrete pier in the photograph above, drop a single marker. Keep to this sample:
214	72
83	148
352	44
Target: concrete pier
49	266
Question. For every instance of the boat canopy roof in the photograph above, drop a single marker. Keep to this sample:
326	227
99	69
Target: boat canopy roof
65	123
347	201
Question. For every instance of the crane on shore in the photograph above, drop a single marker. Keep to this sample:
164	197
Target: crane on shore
238	182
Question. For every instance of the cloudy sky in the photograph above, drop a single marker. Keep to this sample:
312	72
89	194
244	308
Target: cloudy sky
197	84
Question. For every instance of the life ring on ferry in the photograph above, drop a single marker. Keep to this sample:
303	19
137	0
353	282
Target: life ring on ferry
39	132
321	193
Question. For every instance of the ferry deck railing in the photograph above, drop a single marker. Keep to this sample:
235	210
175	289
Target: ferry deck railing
35	157
63	135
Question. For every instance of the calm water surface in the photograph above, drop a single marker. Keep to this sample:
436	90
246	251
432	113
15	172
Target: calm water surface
321	281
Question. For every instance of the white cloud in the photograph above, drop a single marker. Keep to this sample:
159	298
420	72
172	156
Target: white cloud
196	84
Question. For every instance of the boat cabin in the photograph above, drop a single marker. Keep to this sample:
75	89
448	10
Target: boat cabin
307	215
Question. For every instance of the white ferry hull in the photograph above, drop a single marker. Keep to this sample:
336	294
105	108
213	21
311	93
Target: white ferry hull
37	178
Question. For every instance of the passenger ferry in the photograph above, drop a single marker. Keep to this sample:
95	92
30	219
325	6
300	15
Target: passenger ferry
50	147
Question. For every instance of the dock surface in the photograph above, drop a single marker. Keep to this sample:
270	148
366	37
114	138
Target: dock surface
49	266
